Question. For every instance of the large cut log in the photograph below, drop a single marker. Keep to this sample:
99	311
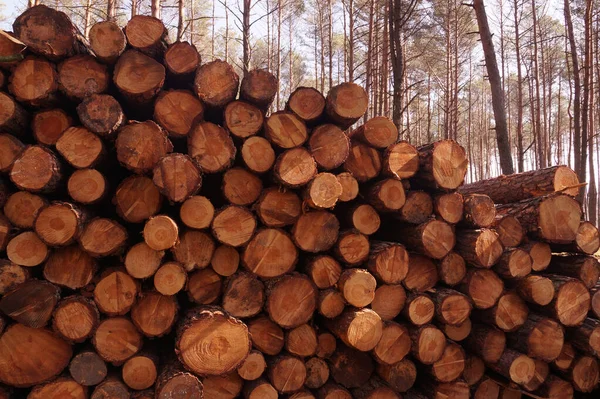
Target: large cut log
259	87
571	301
345	104
37	169
82	76
329	145
176	111
586	337
48	32
359	329
509	230
480	248
486	342
428	343
107	41
147	34
21	208
211	147
307	103
10	149
174	381
242	119
363	162
540	338
30	356
350	367
587	241
400	376
75	318
515	366
582	267
433	238
101	114
378	132
291	300
508	314
442	165
216	83
182	59
154	314
418	309
479	211
554	218
519	186
13	117
201	328
87	368
31	303
138	77
140	145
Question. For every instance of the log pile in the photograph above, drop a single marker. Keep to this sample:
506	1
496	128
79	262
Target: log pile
163	236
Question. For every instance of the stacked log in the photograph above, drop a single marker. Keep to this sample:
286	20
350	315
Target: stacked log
163	235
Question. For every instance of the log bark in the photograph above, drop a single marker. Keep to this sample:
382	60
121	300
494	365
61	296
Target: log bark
101	114
479	211
481	248
31	303
486	342
359	329
434	238
554	218
582	267
434	162
586	337
173	380
506	189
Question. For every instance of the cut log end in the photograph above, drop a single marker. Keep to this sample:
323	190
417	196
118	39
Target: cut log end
329	145
216	83
161	233
243	119
291	301
224	340
307	103
176	111
138	77
107	41
258	155
270	253
87	186
346	103
48	125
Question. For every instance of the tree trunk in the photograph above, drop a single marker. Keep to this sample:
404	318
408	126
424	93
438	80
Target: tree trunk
180	19
246	36
496	85
155	8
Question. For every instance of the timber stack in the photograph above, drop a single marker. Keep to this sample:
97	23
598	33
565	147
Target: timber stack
164	236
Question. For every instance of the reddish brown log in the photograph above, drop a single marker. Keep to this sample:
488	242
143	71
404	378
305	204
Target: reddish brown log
508	314
27	250
514	263
400	376
22	207
48	125
584	374
535	289
81	76
329	145
350	367
253	367
394	344
87	368
520	186
586	337
211	147
278	208
482	248
540	253
357	286
450	366
486	342
565	360
176	111
30	356
11	275
484	287
182	59
216	83
571	301
509	230
451	307
540	338
261	258
291	300
449	207
419	309
101	114
452	269
154	314
140	145
378	132
170	278
582	267
103	237
434	238
37	170
87	186
194	249
316	231
363	162
258	155
31	303
204	286
459	332
307	103
197	212
422	274
243	119
428	343
349	186
75	319
34	82
200	328
554	218
479	211
174	382
259	87
324	271
142	261
244	295
10	150
389	301
138	77
115	293
137	199
107	41
364	218
442	165
359	329
345	104
587	240
267	336
116	340
317	373
515	366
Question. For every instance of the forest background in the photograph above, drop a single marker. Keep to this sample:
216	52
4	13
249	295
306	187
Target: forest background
421	62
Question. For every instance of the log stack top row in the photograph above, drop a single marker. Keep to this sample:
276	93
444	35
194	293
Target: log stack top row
163	235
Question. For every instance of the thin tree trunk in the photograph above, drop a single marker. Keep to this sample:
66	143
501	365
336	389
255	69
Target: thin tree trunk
268	36
351	40
369	61
87	18
536	87
133	8
496	86
330	41
585	107
212	42
226	32
577	128
155	8
180	19
291	57
279	50
519	132
345	39
246	35
592	191
110	10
